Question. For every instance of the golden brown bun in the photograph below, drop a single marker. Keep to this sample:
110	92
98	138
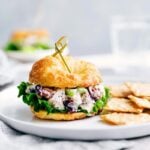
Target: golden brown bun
23	34
51	72
59	116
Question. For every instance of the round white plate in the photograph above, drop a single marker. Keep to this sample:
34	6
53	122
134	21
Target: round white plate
28	57
16	114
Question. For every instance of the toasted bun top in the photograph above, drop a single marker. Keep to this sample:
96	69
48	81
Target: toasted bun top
24	33
50	71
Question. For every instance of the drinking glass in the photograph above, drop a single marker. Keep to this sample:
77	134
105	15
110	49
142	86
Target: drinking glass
130	35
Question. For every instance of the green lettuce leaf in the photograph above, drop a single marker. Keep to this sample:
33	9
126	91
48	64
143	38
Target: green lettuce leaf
99	104
43	46
22	88
33	100
10	46
19	46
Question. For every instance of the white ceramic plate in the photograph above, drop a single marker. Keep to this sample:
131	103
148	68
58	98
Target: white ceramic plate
28	57
16	114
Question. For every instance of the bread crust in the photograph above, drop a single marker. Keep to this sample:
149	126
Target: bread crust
59	116
23	34
51	72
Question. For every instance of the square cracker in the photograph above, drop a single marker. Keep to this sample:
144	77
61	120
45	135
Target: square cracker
139	89
122	105
104	111
146	97
119	90
125	118
140	102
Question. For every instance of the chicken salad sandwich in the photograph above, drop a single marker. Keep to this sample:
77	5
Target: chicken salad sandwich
57	93
28	41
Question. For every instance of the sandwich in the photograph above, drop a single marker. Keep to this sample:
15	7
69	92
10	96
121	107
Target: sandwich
28	40
54	93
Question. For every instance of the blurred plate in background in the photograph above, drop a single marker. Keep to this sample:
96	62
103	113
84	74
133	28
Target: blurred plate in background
29	57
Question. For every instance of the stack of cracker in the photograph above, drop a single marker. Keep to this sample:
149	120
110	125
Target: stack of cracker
129	104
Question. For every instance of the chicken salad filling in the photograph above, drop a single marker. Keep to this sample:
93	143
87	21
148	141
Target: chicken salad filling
89	100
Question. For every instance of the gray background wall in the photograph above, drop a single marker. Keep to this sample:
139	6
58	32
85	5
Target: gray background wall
85	22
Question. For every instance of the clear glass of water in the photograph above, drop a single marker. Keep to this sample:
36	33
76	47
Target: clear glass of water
130	35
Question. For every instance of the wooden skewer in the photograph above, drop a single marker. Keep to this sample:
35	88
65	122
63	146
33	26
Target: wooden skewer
63	59
61	44
60	50
59	47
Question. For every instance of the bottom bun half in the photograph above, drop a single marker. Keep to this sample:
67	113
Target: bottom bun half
59	116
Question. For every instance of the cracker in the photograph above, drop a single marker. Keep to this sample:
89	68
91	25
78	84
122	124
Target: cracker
140	102
119	90
125	118
146	97
104	111
122	105
146	111
139	89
